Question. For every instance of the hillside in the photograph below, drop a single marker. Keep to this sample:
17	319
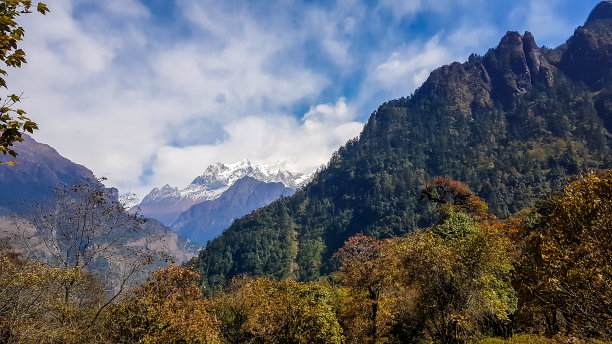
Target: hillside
40	170
512	124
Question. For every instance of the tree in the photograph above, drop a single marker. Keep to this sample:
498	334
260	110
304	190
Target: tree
13	122
22	286
167	308
29	308
86	231
458	284
366	268
451	195
282	312
455	276
565	273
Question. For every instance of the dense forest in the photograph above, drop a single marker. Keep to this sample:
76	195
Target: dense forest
511	124
470	277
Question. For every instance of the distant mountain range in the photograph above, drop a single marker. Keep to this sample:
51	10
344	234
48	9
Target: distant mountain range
40	170
221	194
167	203
512	124
206	220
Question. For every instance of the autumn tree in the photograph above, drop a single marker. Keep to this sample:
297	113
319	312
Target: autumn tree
458	283
22	285
13	122
282	312
454	276
29	307
366	268
86	231
167	308
451	196
565	274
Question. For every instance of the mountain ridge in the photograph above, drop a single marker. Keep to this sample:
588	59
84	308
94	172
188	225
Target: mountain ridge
167	203
38	166
511	124
206	220
40	170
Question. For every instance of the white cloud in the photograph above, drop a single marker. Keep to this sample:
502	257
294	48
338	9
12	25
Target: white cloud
124	8
301	145
403	8
470	39
334	29
111	99
407	68
541	18
145	100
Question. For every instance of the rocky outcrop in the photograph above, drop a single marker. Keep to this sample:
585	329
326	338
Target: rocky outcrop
511	124
512	69
588	56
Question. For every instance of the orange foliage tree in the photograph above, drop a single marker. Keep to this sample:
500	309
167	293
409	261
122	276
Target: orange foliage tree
168	308
566	269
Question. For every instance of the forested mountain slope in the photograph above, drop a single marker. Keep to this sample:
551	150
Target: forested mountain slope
511	124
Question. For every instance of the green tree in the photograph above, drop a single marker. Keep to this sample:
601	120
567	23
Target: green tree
458	284
13	122
282	312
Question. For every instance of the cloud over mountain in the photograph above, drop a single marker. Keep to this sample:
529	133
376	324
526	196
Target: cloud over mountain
158	90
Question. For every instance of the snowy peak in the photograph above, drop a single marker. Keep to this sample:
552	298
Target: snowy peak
222	175
166	192
166	203
217	178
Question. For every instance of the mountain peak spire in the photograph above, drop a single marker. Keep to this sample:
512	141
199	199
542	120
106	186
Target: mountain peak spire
603	11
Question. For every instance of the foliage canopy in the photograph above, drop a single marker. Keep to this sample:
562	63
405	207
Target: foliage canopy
13	121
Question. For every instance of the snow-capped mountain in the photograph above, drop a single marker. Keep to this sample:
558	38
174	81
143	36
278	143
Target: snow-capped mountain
206	220
167	203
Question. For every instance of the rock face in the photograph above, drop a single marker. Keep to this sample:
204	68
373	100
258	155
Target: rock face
588	53
167	203
206	220
512	69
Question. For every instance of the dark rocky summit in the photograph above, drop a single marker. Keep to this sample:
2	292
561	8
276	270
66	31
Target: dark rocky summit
588	53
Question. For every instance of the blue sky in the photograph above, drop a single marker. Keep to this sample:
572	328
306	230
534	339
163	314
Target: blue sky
149	92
